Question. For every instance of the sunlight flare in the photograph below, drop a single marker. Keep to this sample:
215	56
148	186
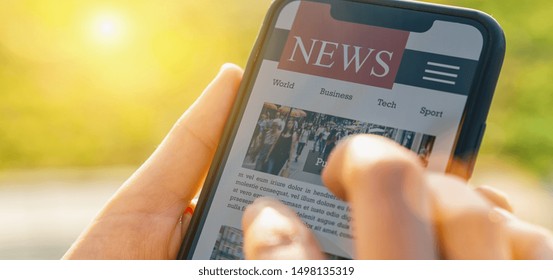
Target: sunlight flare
108	29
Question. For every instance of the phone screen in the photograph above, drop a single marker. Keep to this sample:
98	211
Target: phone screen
327	72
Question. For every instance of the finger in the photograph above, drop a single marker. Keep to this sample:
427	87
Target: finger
385	187
496	197
187	216
527	241
175	171
273	231
181	227
466	225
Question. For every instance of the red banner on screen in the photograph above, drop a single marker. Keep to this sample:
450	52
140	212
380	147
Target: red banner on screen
320	45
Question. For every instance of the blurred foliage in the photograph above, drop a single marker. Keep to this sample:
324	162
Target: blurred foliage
520	124
85	83
88	83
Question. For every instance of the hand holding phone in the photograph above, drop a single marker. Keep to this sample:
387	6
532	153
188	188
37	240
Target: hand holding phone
144	219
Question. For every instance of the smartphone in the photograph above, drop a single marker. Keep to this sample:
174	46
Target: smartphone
420	74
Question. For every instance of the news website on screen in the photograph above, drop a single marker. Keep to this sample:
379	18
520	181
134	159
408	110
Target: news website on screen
316	87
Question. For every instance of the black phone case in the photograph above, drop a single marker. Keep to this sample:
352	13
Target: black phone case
472	125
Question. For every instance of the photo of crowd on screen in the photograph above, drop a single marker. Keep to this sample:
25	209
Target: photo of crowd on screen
283	134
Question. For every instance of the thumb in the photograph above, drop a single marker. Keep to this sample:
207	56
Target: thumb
175	171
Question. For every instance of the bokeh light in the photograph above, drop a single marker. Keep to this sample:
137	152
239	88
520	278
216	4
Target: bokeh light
108	28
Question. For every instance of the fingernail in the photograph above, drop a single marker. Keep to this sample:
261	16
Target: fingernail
186	217
226	66
189	211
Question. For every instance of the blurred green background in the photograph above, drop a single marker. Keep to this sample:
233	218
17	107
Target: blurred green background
95	85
